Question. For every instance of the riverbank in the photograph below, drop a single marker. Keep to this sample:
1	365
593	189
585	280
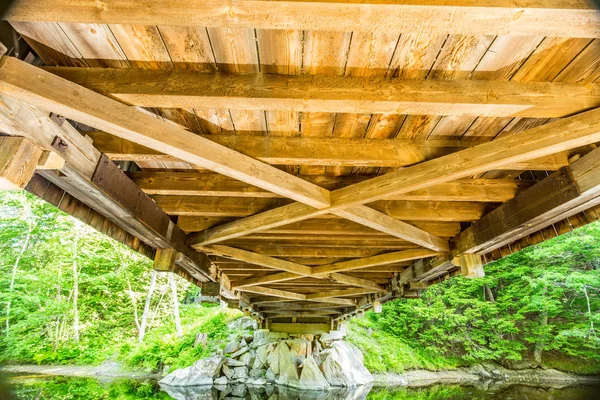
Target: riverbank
109	370
484	375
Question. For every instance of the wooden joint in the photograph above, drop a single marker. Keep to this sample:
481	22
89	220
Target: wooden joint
51	160
164	260
18	160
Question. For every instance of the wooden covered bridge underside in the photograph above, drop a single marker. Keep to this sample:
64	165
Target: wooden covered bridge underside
308	160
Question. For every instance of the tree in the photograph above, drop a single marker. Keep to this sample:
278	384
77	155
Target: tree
147	306
173	285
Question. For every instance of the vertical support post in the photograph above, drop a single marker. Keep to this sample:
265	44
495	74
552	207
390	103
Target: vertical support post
377	307
471	265
164	260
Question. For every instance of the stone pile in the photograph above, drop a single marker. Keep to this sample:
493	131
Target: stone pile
302	361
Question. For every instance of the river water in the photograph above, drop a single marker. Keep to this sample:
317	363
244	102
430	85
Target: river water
39	387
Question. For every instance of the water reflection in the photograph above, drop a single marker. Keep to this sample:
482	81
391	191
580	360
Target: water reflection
30	387
271	392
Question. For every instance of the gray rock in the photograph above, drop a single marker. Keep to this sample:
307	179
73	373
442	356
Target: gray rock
203	372
230	362
240	352
256	373
256	381
228	372
220	381
332	335
343	365
239	391
247	358
239	323
231	347
262	352
299	347
287	365
311	377
260	334
270	375
190	392
240	372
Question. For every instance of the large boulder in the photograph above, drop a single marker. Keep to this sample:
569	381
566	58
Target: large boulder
311	377
343	365
331	336
300	347
203	372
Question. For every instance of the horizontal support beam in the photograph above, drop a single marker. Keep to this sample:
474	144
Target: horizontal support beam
339	293
202	206
334	269
322	226
216	185
284	294
387	222
334	94
326	151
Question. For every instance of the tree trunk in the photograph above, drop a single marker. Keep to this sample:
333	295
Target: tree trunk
14	275
75	289
175	305
489	293
539	345
147	307
589	309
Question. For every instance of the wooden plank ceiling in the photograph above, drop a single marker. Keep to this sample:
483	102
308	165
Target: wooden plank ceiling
329	260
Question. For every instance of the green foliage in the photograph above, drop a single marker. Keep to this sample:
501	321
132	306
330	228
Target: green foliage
546	300
429	393
65	388
162	348
113	283
385	352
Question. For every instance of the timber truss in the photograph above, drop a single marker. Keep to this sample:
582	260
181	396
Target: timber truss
410	182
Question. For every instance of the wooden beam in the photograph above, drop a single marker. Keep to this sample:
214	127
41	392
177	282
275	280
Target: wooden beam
564	193
35	86
381	259
306	252
203	206
325	151
334	269
257	259
216	185
550	18
18	160
283	265
322	226
334	94
97	182
298	306
568	133
340	293
384	223
284	294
